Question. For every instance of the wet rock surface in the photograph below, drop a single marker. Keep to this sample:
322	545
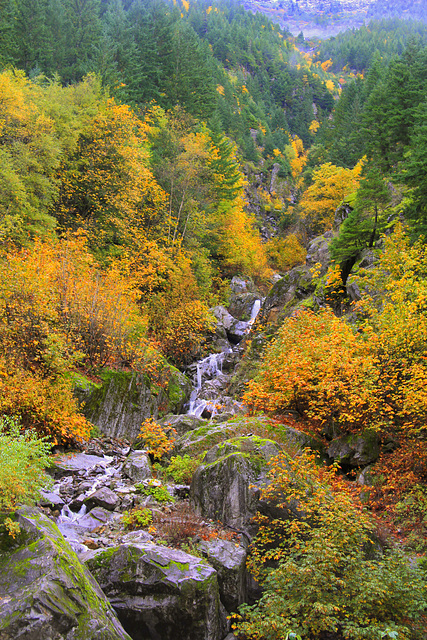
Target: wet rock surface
45	592
226	486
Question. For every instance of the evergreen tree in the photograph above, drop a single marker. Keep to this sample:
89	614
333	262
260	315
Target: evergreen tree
82	30
414	172
362	228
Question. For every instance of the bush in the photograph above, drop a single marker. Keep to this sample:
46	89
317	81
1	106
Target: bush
23	458
318	567
138	518
320	368
182	468
155	439
159	493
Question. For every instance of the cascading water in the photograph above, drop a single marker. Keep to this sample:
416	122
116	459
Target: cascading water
210	381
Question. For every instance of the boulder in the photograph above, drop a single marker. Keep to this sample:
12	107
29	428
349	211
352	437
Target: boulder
226	486
318	252
46	593
355	450
287	293
182	423
235	329
123	400
241	285
69	464
229	560
137	466
104	498
160	593
241	305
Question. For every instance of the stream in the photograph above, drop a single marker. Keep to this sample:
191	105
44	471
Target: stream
92	489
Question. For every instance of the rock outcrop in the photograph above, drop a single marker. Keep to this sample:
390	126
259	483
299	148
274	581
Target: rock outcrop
46	593
123	400
161	593
226	486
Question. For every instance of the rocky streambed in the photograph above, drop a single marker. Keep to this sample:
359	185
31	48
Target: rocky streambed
86	567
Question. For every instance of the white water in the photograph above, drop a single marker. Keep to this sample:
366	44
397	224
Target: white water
209	379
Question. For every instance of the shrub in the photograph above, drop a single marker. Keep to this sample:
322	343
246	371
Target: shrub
154	437
159	493
23	458
182	468
317	565
138	518
320	368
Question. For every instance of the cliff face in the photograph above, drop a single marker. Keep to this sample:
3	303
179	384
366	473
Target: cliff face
315	18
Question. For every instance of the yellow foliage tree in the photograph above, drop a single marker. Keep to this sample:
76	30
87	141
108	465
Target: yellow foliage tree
285	253
330	186
107	187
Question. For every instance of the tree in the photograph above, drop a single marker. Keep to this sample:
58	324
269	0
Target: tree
330	185
414	172
106	184
82	31
364	224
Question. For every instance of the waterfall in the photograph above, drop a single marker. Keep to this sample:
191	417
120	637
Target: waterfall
210	381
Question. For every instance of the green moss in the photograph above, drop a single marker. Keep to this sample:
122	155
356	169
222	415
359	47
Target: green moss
102	559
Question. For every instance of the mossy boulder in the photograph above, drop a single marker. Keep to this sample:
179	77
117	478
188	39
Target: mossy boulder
227	484
203	438
183	423
123	400
355	450
161	593
229	560
287	293
46	593
318	252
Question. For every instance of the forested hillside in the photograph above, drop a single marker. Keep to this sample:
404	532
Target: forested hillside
152	150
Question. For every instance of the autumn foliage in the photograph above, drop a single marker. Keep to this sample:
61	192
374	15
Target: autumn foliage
58	310
330	185
318	566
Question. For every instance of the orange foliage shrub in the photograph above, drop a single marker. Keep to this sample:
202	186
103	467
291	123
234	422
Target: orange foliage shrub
58	309
320	368
155	438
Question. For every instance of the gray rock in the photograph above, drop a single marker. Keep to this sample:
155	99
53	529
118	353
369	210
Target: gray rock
119	405
161	593
137	466
241	285
226	486
47	594
240	305
318	252
51	499
95	518
75	462
287	293
235	329
229	560
355	450
182	423
104	497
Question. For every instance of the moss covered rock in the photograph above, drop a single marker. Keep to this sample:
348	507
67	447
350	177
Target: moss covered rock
227	485
355	450
161	593
119	405
46	593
